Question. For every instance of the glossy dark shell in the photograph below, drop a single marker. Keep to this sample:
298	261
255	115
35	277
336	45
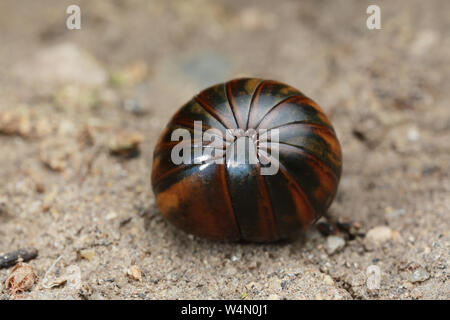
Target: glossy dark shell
234	201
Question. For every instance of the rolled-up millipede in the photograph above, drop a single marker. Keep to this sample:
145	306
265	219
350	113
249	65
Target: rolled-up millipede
286	180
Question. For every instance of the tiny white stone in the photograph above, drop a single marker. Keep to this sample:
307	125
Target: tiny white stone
334	244
328	280
111	216
413	135
377	236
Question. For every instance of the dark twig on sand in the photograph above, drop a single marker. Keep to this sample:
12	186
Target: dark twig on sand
21	255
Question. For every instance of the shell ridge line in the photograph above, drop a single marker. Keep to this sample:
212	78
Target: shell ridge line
241	111
264	189
308	154
226	190
190	125
299	189
276	106
305	123
227	88
168	173
275	217
249	104
252	101
211	111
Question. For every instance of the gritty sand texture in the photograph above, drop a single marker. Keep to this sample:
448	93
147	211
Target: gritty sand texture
65	94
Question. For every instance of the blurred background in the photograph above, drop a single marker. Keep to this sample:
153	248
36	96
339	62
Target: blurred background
81	110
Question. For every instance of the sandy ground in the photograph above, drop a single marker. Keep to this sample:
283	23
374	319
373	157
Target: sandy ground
66	94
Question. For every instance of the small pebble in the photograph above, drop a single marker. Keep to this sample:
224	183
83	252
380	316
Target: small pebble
328	280
56	153
87	254
142	296
416	294
111	216
125	143
85	291
97	296
135	273
377	236
334	244
419	275
133	106
413	135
